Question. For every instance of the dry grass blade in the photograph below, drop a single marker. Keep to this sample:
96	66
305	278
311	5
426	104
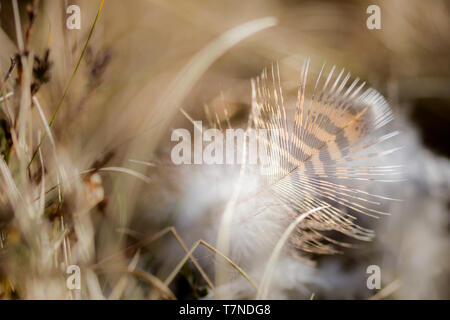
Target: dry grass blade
74	73
9	94
387	291
127	171
160	286
119	288
271	263
155	237
145	163
172	230
177	269
18	26
223	237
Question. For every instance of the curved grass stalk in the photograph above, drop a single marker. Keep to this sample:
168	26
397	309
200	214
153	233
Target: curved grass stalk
271	264
223	237
185	80
127	171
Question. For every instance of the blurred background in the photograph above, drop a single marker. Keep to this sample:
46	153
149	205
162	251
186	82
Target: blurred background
113	113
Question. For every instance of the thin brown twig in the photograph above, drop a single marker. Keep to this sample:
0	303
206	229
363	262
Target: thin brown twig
208	246
158	235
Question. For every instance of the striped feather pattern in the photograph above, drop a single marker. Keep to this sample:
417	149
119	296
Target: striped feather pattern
312	155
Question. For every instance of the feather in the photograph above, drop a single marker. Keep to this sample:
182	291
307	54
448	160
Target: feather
313	158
